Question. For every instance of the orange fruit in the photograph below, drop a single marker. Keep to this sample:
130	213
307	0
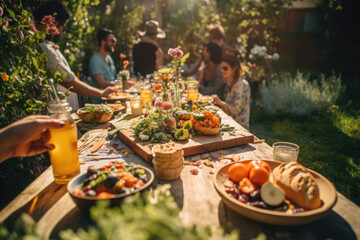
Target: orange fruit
246	186
105	195
238	171
261	163
259	175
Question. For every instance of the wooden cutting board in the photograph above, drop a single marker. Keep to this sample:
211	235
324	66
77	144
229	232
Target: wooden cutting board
195	145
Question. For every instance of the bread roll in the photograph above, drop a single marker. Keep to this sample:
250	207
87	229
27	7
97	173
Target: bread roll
298	184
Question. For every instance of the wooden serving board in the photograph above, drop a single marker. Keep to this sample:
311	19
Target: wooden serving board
195	145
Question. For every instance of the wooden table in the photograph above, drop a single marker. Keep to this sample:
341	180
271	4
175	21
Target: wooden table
52	208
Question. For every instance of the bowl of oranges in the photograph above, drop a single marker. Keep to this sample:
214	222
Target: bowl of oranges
247	187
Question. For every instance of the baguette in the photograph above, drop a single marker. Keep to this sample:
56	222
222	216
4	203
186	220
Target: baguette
298	184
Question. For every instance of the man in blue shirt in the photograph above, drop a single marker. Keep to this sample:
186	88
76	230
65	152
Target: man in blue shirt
101	66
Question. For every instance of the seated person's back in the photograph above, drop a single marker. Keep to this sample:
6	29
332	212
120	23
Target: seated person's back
144	58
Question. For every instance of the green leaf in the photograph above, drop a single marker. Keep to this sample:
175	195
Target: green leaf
11	12
35	62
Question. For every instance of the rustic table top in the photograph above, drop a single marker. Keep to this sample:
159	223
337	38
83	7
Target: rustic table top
52	208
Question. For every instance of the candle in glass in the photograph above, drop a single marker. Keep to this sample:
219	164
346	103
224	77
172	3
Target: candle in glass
136	108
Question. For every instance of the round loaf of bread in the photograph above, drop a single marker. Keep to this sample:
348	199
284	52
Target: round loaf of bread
298	184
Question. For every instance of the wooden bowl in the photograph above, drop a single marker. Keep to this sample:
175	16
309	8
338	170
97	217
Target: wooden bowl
207	131
84	203
100	117
327	195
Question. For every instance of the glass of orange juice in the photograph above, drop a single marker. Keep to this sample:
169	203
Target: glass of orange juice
146	95
192	92
64	157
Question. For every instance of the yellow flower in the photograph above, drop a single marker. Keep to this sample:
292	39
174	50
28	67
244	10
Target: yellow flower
4	77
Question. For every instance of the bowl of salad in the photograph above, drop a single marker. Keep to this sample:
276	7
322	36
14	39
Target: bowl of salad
95	113
113	182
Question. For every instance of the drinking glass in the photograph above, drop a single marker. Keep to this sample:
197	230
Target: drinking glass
64	157
192	92
146	95
285	152
118	85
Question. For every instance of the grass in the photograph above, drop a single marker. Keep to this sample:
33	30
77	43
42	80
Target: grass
329	143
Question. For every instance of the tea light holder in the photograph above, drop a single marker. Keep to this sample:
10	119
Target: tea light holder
136	106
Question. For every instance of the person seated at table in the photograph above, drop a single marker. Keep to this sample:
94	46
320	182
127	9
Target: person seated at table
101	66
217	35
237	100
27	137
55	59
210	79
191	69
147	55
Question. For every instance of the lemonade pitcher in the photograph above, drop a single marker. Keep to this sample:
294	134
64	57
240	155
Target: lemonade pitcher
64	157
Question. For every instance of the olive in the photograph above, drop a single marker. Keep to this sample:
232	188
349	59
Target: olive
255	195
90	171
259	204
111	180
120	191
243	198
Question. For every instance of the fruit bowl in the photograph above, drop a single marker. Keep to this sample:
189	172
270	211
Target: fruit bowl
85	202
327	196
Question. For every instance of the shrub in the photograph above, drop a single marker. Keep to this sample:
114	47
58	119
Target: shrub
299	95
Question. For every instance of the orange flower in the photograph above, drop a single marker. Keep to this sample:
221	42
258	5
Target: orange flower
4	77
122	55
126	63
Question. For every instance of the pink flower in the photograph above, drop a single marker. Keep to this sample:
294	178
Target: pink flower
166	105
33	27
1	11
48	20
175	52
158	104
53	30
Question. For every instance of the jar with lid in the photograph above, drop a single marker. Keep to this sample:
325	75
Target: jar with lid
64	157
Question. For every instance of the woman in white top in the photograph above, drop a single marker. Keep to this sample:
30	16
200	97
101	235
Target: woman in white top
237	96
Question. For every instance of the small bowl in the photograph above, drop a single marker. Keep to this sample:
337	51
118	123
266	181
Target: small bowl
99	117
84	203
207	131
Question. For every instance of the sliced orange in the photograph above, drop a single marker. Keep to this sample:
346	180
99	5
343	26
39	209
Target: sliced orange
105	195
238	171
246	186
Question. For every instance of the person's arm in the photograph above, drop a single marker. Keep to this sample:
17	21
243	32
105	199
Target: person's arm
221	104
86	90
28	136
159	58
99	79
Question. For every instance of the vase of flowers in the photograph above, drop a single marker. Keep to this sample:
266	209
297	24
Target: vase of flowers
177	62
124	74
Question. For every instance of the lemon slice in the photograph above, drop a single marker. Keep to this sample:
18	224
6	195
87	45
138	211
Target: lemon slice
181	134
187	125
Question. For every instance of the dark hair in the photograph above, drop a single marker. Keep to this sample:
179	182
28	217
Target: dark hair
217	33
215	52
56	8
234	62
102	34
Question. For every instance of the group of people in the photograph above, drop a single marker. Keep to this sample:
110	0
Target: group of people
218	62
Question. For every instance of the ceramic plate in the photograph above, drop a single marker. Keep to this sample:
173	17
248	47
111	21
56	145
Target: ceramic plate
327	196
86	202
117	97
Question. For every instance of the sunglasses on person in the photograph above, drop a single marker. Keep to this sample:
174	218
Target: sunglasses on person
113	40
225	68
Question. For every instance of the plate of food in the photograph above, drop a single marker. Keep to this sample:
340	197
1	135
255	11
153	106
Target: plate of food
98	113
113	182
275	193
117	96
205	99
116	107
